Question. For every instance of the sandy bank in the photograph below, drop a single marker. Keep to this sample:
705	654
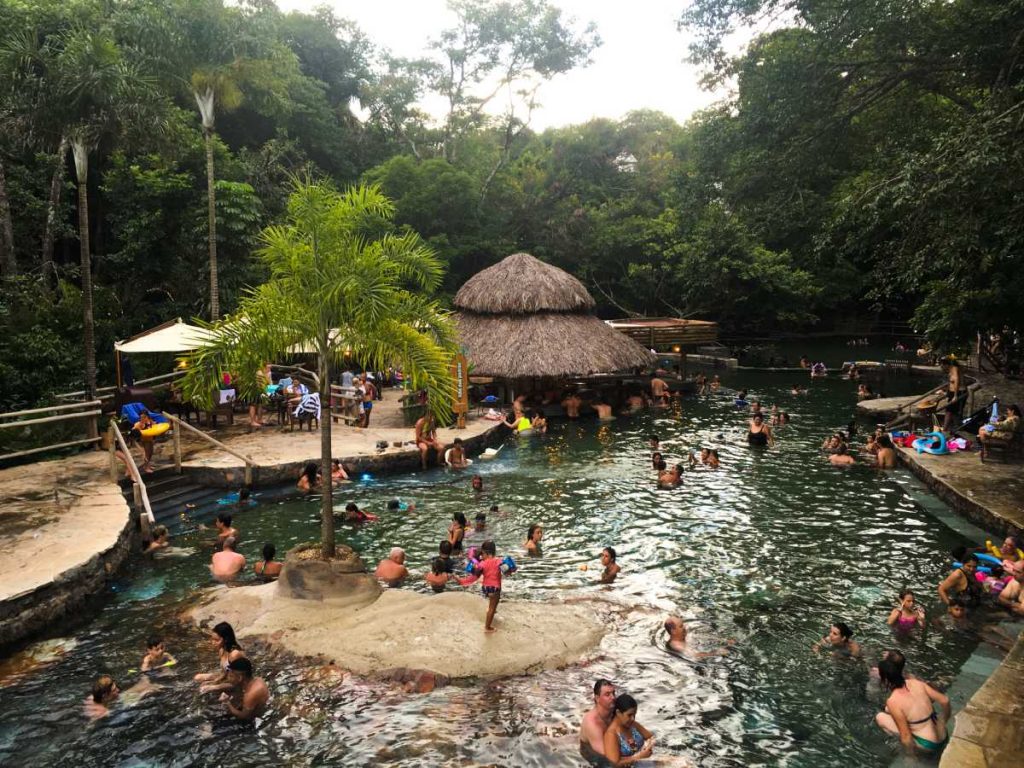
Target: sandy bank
402	629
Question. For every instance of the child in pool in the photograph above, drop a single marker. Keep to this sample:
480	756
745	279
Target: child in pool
489	568
161	540
438	575
906	616
156	655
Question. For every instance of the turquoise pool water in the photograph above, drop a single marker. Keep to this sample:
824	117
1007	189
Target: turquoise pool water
766	551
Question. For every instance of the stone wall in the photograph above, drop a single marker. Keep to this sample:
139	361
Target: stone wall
32	611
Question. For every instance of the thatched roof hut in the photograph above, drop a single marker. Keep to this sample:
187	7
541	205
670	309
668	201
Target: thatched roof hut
523	318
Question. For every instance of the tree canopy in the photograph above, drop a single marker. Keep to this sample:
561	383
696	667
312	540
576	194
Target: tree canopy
866	162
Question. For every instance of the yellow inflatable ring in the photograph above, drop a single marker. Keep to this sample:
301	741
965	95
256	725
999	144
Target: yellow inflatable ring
156	430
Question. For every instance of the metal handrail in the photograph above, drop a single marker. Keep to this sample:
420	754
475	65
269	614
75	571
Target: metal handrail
139	487
249	462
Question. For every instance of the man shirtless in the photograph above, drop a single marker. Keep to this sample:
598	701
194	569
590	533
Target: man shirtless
885	454
392	568
252	692
572	404
841	458
677	640
227	564
426	438
659	390
596	722
604	411
1012	596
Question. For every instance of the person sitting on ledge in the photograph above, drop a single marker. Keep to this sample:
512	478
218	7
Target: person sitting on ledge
227	564
391	569
1004	429
426	438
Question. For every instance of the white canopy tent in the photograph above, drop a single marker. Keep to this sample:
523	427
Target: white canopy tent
172	336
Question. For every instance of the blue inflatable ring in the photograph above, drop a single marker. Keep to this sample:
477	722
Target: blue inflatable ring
924	444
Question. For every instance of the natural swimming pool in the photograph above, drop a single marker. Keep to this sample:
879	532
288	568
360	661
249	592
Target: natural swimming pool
768	550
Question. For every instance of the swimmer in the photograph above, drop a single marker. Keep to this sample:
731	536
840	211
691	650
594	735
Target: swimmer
104	694
227	564
161	540
961	581
268	569
397	505
338	473
252	692
571	403
309	479
759	433
909	710
1012	595
455	457
626	741
539	423
457	531
654	442
611	568
715	383
604	411
477	483
156	656
841	458
659	390
438	575
956	616
391	569
885	453
780	419
713	461
353	514
670	478
677	640
224	530
839	641
480	522
533	536
444	554
906	616
657	460
798	390
222	637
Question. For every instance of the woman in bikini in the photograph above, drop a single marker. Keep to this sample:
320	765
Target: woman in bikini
910	709
626	741
223	637
906	616
456	531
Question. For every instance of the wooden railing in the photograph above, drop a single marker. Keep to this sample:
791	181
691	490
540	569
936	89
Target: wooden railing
89	410
903	413
141	497
176	435
163	380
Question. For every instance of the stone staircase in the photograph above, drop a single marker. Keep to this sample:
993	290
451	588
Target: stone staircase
177	502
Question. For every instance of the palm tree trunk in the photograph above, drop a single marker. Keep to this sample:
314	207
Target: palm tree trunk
81	152
56	189
8	261
214	288
327	504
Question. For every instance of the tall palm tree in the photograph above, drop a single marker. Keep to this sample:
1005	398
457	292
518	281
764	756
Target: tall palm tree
213	87
102	95
334	287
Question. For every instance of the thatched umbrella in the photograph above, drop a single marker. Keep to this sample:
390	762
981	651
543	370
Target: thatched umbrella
523	318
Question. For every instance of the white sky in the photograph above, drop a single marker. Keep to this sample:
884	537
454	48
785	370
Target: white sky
638	66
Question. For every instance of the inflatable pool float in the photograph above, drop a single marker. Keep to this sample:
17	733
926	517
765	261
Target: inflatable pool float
490	453
927	444
156	430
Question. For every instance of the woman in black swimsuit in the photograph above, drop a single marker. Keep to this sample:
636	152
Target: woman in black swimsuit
759	432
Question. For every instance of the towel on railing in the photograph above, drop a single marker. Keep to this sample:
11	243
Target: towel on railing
132	411
309	405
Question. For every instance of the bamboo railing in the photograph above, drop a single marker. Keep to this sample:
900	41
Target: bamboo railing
179	424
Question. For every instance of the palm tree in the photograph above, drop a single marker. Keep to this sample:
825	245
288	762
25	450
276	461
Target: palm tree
102	94
335	286
211	87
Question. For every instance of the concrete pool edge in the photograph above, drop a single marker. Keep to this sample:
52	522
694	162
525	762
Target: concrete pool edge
108	523
989	730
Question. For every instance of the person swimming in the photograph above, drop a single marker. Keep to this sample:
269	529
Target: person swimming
759	433
905	616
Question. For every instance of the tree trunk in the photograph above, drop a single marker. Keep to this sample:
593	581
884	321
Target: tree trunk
56	189
327	504
214	288
81	152
8	260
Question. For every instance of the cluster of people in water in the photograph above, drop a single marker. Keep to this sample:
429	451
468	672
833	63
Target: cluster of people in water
242	695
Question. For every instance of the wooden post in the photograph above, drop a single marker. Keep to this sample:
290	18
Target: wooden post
248	475
113	452
177	449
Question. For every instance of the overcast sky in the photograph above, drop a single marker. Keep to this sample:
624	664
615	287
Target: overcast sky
638	66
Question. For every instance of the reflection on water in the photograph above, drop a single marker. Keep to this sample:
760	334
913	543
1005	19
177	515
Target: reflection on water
767	551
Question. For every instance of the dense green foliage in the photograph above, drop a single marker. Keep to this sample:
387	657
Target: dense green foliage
868	162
